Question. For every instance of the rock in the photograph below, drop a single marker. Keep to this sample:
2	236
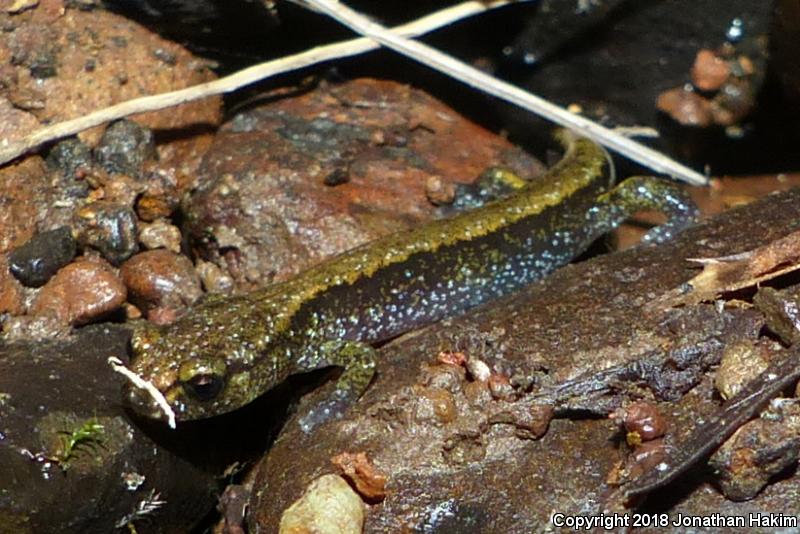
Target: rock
57	392
758	451
11	292
160	234
741	362
782	311
329	506
589	341
71	157
569	45
41	256
80	293
214	279
160	197
109	228
35	328
262	211
160	280
26	196
709	71
439	192
124	148
643	421
686	107
52	54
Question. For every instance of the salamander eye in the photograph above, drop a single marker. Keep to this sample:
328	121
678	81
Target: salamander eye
203	378
205	387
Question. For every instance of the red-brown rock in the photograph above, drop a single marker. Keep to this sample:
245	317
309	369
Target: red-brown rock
81	292
161	283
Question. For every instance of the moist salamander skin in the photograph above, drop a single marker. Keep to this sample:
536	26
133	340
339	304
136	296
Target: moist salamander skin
226	351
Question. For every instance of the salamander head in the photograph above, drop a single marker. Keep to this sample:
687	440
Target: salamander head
202	365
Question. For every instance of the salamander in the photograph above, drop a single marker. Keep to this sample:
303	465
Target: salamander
227	351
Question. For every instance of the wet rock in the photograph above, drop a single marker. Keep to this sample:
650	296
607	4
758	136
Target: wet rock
70	156
363	474
41	256
160	234
124	148
686	107
35	48
329	506
645	457
262	211
51	52
161	283
80	293
214	279
782	311
109	228
569	45
11	292
73	160
741	362
33	328
439	192
233	506
26	196
590	343
644	422
78	463
758	451
709	71
160	197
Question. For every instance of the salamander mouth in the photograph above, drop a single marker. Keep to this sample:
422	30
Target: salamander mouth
144	398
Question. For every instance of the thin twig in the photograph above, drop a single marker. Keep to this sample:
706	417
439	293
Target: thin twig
459	70
10	150
158	397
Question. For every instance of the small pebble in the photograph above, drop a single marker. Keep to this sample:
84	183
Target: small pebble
447	377
540	417
121	189
214	279
438	191
109	228
160	234
367	479
435	405
124	148
40	257
80	293
161	283
328	506
733	102
233	505
741	362
160	197
500	387
452	358
645	458
686	107
21	5
644	420
71	157
336	177
709	71
478	369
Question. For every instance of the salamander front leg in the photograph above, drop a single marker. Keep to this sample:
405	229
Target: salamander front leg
646	193
358	360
